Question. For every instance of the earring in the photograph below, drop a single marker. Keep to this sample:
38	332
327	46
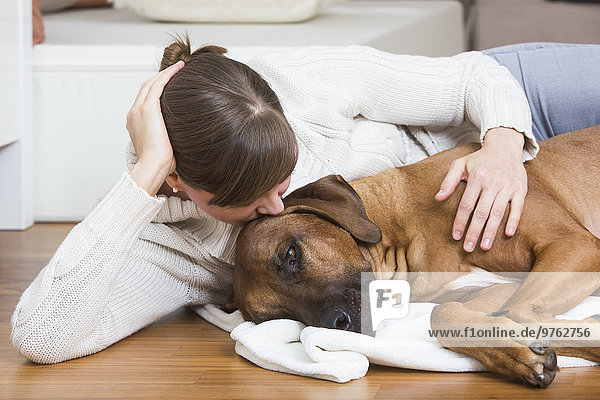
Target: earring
175	190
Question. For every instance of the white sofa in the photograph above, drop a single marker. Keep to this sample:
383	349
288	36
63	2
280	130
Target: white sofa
87	73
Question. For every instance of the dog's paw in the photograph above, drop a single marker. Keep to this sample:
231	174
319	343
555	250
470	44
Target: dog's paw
543	366
534	364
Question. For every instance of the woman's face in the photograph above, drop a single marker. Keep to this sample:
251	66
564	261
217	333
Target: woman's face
269	204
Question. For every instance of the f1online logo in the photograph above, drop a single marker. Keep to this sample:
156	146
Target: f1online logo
388	299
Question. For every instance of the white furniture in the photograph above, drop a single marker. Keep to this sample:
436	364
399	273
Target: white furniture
87	73
16	200
227	10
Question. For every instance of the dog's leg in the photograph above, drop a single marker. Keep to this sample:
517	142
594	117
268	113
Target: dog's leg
531	362
493	297
564	274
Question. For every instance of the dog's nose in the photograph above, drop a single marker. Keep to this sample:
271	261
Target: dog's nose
336	319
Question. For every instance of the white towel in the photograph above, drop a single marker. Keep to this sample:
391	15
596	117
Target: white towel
340	356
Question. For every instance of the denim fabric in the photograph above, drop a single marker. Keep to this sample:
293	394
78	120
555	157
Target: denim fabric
561	81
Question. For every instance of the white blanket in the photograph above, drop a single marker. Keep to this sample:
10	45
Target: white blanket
340	356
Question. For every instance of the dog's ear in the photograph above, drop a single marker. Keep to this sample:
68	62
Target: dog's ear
334	200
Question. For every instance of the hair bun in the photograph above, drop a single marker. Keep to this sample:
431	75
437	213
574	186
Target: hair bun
181	50
211	49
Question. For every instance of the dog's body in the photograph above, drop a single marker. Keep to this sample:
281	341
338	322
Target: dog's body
301	265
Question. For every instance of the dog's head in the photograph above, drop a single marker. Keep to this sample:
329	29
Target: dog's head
305	263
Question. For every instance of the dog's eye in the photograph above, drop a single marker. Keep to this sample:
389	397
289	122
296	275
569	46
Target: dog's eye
289	261
290	256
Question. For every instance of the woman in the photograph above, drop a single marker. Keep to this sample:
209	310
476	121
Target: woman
239	138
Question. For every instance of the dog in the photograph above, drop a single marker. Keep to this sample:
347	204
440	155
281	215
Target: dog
305	263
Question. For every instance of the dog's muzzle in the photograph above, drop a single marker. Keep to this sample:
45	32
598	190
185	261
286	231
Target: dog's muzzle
343	313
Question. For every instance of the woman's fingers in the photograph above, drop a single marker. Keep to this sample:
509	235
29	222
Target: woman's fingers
489	213
160	80
466	206
479	219
494	220
163	77
484	202
147	100
516	208
143	92
455	174
498	210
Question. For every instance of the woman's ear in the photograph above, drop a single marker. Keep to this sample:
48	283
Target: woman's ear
174	180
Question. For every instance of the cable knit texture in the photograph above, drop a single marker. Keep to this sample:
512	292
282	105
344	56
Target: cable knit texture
356	111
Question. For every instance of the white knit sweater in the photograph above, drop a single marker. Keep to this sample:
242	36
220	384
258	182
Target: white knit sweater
356	111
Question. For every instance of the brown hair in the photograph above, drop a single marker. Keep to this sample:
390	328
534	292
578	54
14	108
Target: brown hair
226	126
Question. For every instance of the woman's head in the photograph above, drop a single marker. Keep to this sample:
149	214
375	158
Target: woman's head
226	126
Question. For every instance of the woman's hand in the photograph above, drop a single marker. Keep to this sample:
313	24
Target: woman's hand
495	176
148	133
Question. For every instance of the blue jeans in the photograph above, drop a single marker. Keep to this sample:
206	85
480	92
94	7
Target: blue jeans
561	82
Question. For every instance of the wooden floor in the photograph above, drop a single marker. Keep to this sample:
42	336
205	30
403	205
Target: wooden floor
183	356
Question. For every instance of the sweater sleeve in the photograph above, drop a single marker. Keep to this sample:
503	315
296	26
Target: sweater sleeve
100	285
408	90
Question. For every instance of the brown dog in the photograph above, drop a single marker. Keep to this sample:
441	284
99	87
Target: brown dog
305	263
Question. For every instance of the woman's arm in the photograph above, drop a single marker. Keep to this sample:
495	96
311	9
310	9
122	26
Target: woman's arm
104	282
432	92
115	273
101	284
